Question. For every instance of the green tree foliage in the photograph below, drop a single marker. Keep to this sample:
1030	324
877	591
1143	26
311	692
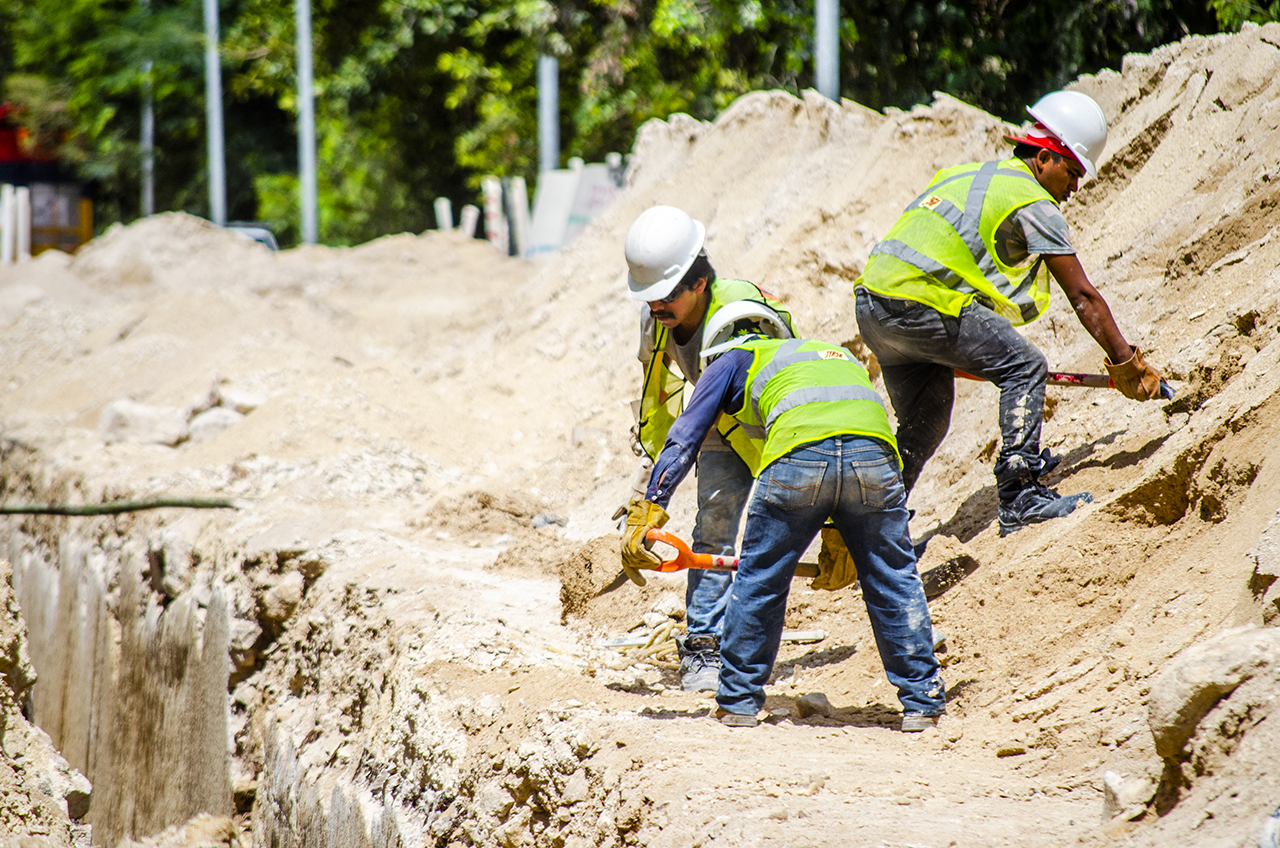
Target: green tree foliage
417	99
1233	14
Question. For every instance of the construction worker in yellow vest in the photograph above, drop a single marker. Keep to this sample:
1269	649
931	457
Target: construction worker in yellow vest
969	260
669	272
828	453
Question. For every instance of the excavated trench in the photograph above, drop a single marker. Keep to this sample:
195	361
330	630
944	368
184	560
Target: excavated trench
183	677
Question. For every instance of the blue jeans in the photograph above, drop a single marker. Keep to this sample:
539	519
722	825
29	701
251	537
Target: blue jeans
855	481
724	483
919	348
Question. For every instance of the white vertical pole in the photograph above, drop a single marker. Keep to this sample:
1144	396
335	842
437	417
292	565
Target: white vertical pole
8	220
444	214
22	232
148	201
213	116
469	218
826	48
495	221
548	113
520	214
306	123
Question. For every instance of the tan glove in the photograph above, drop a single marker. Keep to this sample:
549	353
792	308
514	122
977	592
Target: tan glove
1135	379
836	568
642	516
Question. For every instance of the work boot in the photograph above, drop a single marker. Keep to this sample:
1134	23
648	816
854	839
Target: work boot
729	719
1035	503
917	722
699	662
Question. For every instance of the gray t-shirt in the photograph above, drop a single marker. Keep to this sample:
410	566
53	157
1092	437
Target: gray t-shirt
1035	229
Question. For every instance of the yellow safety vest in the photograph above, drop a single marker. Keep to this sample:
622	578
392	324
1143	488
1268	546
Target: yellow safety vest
941	252
801	391
662	395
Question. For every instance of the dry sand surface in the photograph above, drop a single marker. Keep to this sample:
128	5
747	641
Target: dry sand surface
437	438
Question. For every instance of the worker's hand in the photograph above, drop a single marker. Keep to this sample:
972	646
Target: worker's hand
835	566
642	516
1135	379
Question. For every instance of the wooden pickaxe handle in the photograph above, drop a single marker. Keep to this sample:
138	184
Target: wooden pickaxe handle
685	558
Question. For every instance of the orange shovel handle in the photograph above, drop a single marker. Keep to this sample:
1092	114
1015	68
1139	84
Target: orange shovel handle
686	558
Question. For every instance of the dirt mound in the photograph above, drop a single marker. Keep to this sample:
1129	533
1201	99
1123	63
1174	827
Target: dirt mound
447	430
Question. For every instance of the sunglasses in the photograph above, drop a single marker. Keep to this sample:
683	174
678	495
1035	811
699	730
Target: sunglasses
680	289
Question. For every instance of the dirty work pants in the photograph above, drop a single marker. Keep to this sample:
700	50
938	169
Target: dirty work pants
724	483
919	350
855	481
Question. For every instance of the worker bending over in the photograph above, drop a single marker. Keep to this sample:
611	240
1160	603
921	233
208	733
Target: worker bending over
668	270
828	453
969	260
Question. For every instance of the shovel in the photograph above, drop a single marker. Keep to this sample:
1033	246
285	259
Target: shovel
936	580
1088	381
686	558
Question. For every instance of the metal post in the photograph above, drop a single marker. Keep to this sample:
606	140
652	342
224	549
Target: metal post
826	48
148	144
148	202
548	113
306	124
213	116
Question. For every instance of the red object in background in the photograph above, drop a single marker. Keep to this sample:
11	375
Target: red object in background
13	139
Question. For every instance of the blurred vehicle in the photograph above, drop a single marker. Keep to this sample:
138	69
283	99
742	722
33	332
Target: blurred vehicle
254	231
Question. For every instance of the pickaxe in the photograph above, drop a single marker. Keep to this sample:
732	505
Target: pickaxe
1088	381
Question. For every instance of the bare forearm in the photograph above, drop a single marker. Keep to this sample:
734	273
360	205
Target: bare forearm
1095	316
1090	307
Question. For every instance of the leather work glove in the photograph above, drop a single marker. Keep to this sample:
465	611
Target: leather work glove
1135	379
836	568
642	516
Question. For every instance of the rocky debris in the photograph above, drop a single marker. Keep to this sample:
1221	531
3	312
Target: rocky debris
1265	581
171	559
129	421
1125	797
210	423
814	703
203	831
1203	675
279	602
238	400
210	414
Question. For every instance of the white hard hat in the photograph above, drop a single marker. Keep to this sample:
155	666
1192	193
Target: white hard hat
661	245
1078	123
734	319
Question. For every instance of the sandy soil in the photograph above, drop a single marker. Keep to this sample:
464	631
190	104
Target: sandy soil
445	430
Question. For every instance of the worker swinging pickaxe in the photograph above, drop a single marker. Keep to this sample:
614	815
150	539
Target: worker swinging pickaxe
1088	381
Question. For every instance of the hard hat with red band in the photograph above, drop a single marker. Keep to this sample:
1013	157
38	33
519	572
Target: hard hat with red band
1038	136
1069	123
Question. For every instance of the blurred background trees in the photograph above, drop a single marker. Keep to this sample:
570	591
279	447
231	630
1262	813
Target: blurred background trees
417	99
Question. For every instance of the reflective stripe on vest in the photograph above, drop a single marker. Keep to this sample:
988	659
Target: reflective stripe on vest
808	391
1018	293
789	353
